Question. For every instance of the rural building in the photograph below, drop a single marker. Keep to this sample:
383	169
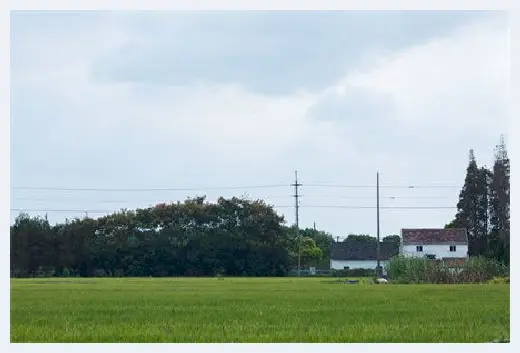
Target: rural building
354	254
448	245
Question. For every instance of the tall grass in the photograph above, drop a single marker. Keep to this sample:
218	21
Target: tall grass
415	270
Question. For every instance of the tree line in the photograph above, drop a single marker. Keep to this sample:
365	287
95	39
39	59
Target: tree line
236	237
484	206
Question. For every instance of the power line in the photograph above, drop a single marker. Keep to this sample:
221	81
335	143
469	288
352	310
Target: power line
373	197
147	189
381	207
264	198
275	206
382	186
47	188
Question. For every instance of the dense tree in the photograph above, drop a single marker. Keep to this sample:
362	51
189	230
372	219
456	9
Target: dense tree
361	237
392	239
323	241
472	207
233	236
484	207
499	205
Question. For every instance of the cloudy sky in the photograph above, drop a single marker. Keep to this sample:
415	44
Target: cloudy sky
207	100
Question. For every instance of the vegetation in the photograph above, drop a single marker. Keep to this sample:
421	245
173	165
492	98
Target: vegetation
484	207
421	270
233	237
253	310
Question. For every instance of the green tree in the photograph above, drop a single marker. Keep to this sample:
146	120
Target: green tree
392	239
310	252
499	205
472	207
324	241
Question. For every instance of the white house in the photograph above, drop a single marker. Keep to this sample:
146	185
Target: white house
438	244
356	254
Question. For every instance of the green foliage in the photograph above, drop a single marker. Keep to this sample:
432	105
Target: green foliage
195	238
353	272
392	239
500	205
484	207
415	270
361	237
499	280
473	207
263	310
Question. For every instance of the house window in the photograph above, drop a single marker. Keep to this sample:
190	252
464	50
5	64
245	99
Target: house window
419	248
453	248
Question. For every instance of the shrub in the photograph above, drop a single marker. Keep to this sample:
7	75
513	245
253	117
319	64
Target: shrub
421	270
354	272
66	272
99	272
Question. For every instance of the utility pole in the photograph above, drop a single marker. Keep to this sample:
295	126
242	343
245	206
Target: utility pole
314	226
378	245
296	208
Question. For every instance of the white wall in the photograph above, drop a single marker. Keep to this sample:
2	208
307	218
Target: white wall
440	251
368	264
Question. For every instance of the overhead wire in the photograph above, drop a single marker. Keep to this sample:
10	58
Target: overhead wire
49	188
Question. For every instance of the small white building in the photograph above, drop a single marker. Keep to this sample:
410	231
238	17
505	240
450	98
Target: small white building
437	244
355	254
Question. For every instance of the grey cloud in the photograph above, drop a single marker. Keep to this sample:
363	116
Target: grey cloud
267	52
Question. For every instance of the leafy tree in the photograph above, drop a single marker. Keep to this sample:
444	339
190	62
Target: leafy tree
194	238
392	239
361	237
324	241
310	252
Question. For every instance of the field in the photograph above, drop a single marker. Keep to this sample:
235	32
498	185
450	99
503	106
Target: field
253	310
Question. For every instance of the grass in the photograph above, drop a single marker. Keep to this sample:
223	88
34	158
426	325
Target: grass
253	310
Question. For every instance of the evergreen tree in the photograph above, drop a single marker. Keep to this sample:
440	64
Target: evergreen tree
483	211
500	203
472	207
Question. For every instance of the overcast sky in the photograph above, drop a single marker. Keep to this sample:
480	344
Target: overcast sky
223	99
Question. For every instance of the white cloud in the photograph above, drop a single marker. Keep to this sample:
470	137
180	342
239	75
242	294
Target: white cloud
456	82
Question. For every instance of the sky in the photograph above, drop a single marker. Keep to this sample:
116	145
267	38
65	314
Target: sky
108	106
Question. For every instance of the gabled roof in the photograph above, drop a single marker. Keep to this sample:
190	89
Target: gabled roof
434	236
353	249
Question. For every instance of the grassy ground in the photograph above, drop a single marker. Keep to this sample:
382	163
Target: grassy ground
254	310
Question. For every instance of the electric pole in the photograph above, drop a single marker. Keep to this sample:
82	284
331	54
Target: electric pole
296	208
378	245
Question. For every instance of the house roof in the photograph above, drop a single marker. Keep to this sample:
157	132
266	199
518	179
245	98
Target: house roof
435	236
353	249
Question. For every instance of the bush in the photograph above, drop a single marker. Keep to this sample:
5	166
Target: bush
499	280
354	272
421	270
99	272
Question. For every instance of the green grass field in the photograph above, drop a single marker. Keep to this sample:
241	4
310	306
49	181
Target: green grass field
253	310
